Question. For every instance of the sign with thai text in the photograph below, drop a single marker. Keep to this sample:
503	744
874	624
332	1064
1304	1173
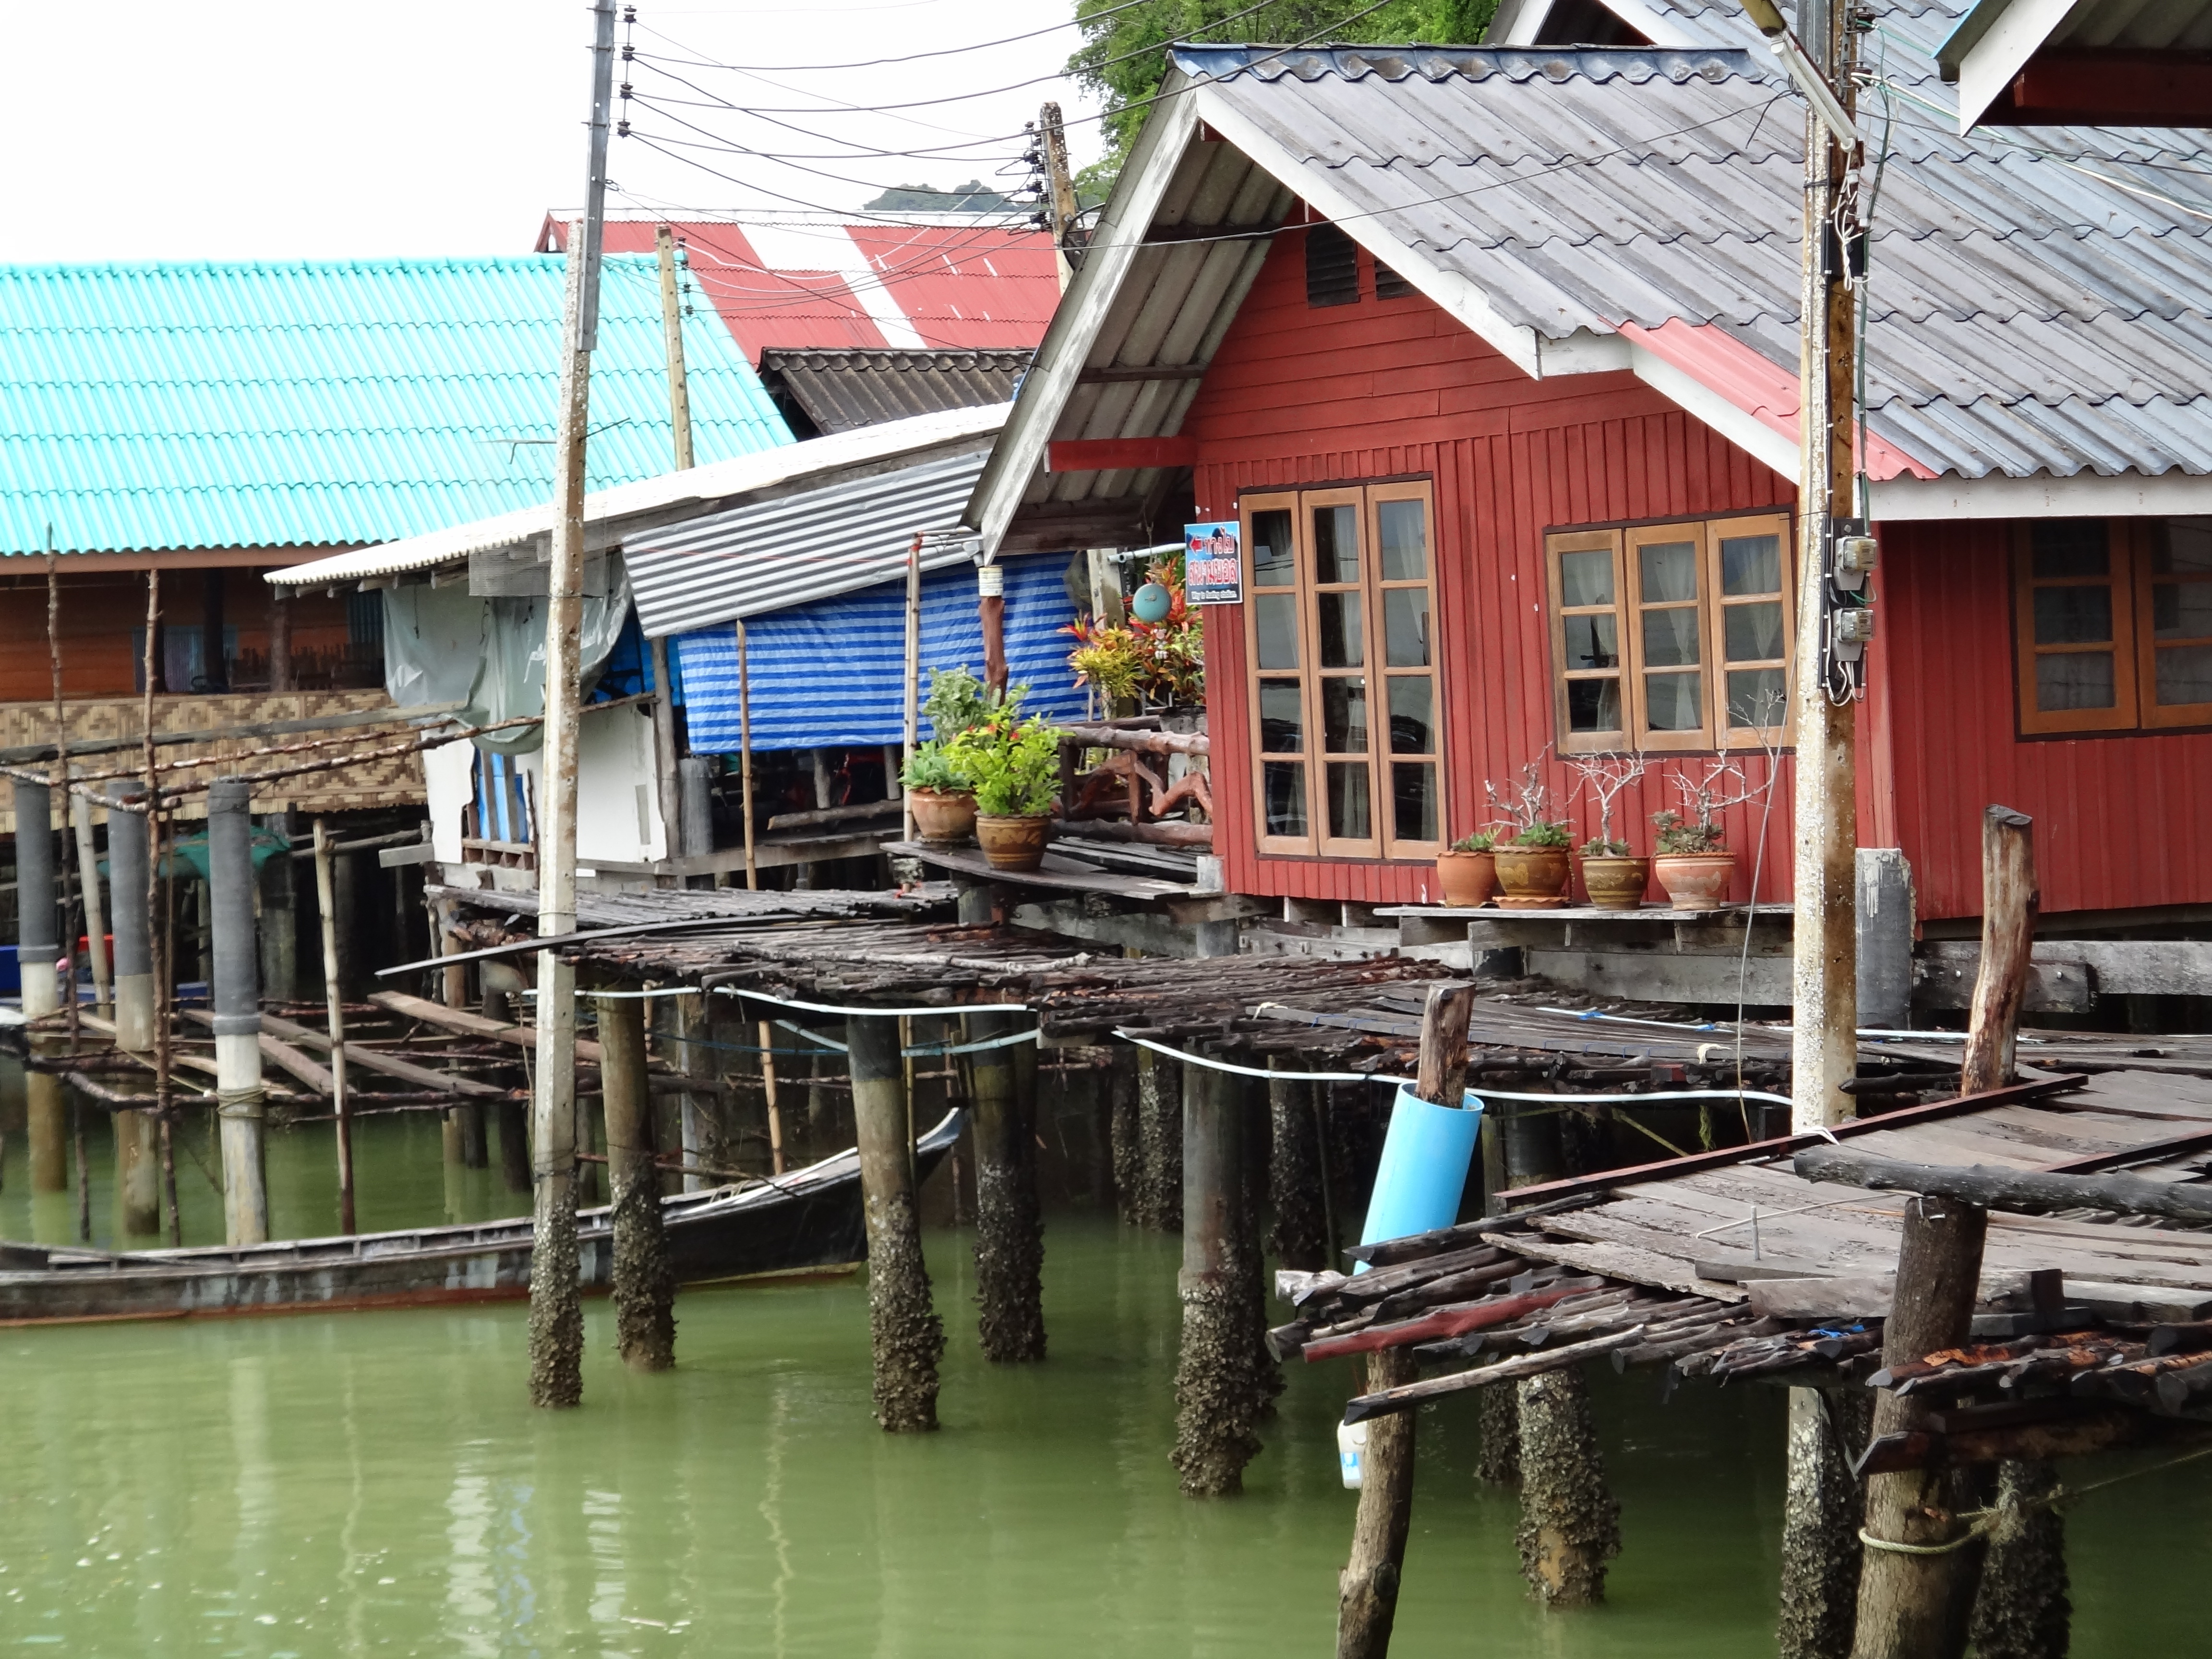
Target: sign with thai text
1212	564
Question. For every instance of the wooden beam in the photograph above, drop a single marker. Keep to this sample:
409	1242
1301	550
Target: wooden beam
2108	87
1993	1188
1141	376
80	747
377	1061
2009	904
1782	1146
465	1023
1119	454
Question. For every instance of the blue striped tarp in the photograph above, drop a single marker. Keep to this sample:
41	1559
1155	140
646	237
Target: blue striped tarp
827	674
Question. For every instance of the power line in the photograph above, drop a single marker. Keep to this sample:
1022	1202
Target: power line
947	52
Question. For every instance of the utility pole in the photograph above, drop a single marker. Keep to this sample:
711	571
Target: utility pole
1067	234
679	420
1824	974
557	1316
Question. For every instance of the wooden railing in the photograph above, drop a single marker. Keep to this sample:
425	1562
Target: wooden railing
1130	795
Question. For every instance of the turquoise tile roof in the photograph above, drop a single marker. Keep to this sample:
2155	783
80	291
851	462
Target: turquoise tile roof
328	402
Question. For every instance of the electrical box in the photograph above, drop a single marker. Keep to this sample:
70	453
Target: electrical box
1854	627
1856	556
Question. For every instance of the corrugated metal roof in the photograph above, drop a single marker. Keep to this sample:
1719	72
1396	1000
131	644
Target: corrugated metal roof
331	402
812	544
845	460
950	283
839	390
2038	296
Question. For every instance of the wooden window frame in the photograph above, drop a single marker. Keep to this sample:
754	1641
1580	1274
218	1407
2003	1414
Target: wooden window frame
2156	716
1717	730
2134	645
1383	843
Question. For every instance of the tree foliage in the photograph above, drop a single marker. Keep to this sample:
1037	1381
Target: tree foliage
1123	58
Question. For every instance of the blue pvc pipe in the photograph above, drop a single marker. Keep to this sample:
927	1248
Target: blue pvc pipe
1423	1175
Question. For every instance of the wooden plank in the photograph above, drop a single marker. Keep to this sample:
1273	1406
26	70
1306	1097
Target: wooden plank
1119	454
465	1023
1067	875
377	1061
1619	1262
1782	1144
2114	967
287	1058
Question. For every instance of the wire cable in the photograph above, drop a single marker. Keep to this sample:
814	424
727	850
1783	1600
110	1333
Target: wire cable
914	57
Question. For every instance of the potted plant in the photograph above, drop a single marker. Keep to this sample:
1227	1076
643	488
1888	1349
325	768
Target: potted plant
1158	666
1013	765
1612	876
1532	867
1466	870
1694	864
943	806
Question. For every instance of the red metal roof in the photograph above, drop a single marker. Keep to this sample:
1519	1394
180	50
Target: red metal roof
821	284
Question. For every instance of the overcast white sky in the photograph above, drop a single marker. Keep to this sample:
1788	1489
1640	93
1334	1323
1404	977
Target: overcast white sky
268	129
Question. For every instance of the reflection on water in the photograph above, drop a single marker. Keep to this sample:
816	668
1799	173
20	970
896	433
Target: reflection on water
376	1483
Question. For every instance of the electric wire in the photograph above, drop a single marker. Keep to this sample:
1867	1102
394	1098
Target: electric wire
947	52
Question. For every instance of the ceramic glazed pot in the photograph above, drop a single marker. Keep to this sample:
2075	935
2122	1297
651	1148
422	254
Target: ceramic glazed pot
1468	879
1696	881
1013	843
1615	882
1532	878
943	815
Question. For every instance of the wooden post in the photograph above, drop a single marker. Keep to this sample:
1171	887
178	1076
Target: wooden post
1123	1139
1822	1507
644	1285
138	1155
745	759
1009	1238
1915	1605
96	913
1300	1233
236	996
38	946
772	1100
1367	1593
1215	1405
280	638
334	1005
2010	902
1498	1463
689	1017
514	1116
910	712
1159	1132
1570	1523
2022	1610
672	331
906	1335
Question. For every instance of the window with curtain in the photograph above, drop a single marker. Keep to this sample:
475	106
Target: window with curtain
1342	671
1673	637
2112	625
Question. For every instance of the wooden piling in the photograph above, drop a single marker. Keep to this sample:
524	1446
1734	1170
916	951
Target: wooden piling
1498	1463
1159	1130
334	1016
1822	1507
1215	1401
1570	1521
1367	1594
1299	1234
1009	1236
234	961
1125	1146
2010	901
2022	1609
137	1152
38	946
644	1285
906	1335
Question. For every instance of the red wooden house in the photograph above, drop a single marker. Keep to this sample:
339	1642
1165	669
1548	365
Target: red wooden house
1493	353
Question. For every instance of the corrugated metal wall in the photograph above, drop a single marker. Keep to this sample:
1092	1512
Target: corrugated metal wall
1393	388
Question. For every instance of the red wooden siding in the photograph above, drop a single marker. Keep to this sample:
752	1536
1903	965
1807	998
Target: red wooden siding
1388	388
2120	821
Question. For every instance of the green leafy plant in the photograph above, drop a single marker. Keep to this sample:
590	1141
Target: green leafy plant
1604	777
1482	841
1544	834
958	701
931	768
1012	764
1164	662
1704	795
1678	837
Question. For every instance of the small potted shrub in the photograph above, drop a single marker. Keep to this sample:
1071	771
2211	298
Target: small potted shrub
944	807
1694	864
1532	865
1013	765
1612	876
1466	870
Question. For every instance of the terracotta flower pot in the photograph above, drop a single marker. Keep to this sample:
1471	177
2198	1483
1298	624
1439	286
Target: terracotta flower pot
1614	881
1696	881
1534	878
1013	843
943	815
1468	879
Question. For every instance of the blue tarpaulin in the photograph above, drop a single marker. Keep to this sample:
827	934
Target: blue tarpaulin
828	674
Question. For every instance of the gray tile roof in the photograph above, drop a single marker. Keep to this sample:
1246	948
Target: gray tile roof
2038	295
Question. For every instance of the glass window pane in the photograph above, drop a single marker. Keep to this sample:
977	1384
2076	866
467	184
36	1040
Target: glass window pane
1594	705
1669	571
2184	675
1344	714
2182	547
1586	578
1593	642
1414	800
1403	527
1675	702
1275	622
1283	794
1349	818
1405	627
2075	679
2073	616
1273	563
2070	547
1413	714
1282	718
1755	697
1670	639
2181	611
1751	564
1342	645
1336	543
1750	633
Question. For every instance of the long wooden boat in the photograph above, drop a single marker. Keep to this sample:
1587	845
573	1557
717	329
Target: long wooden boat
809	1219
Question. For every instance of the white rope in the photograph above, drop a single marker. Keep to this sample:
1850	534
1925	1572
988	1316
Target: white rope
628	996
1253	1070
938	1012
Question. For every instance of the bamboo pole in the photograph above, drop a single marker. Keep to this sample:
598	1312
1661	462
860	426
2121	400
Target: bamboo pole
745	760
334	999
911	714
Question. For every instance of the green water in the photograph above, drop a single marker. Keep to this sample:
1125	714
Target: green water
376	1483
